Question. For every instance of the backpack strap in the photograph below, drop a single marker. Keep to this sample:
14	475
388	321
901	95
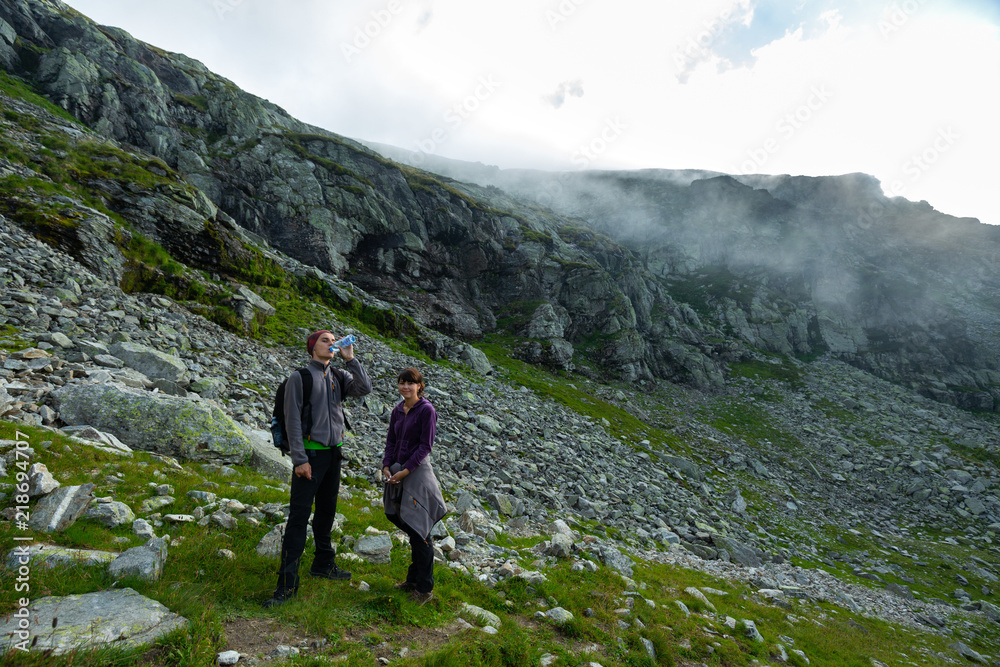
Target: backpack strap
307	383
338	376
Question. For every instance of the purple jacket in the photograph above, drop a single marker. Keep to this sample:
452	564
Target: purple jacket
411	435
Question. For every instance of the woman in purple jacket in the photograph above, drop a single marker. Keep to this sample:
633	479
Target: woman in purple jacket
412	497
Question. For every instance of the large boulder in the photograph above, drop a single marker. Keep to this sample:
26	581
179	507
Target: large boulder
616	560
60	509
108	618
738	552
48	556
264	456
145	561
168	425
151	362
111	514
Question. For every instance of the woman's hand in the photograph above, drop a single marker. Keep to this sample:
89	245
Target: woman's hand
399	476
386	474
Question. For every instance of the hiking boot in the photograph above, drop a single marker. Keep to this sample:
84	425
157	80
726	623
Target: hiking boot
333	573
280	597
403	586
421	598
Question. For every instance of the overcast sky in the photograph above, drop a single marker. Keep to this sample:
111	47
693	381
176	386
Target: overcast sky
906	90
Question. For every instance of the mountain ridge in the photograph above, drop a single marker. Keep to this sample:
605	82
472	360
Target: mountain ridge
334	204
738	377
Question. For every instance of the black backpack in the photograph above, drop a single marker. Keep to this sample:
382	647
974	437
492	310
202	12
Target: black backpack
278	433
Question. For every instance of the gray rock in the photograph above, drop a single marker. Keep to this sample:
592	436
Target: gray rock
698	595
374	548
209	387
975	505
489	424
111	514
60	509
684	466
121	618
168	425
665	536
650	649
967	653
506	504
150	505
559	615
281	651
616	560
226	658
473	521
900	590
256	301
561	546
481	615
264	456
151	362
735	501
49	556
270	545
475	358
91	437
144	561
141	528
62	340
738	552
751	631
465	501
560	527
40	480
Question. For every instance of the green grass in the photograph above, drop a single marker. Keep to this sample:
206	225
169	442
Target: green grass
580	396
782	370
211	592
16	87
751	423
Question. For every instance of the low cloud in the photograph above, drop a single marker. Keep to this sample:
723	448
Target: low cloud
564	89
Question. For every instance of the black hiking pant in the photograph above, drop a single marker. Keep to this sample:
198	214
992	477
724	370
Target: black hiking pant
323	488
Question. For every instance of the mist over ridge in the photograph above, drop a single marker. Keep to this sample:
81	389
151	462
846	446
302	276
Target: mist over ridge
890	285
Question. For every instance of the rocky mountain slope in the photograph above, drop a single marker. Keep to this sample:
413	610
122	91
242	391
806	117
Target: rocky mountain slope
650	274
817	480
169	240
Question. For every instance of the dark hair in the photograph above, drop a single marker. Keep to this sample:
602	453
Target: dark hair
413	375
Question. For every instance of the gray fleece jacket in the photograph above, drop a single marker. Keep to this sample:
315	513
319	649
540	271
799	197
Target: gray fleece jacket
325	400
417	500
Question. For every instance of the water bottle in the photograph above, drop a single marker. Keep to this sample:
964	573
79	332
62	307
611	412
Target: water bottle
343	342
